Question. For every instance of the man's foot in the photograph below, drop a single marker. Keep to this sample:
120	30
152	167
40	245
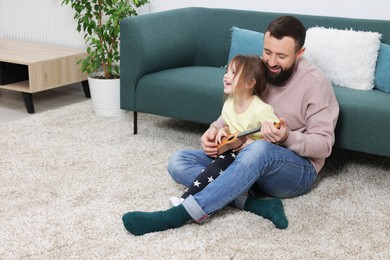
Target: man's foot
140	223
271	209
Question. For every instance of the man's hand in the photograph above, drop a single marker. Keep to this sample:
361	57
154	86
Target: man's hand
273	134
208	142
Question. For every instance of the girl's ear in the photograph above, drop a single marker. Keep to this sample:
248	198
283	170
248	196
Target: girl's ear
250	84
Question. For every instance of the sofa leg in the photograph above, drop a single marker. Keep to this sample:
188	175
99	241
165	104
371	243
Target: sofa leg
135	122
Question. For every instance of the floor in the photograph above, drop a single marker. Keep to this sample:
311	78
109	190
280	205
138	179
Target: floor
12	105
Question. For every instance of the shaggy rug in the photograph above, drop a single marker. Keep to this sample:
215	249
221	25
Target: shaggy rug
68	176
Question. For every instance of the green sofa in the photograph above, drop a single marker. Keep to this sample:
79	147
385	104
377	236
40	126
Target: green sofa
172	65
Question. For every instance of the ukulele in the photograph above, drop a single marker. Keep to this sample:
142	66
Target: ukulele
235	140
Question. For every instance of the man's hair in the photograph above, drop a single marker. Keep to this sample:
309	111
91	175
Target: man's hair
288	26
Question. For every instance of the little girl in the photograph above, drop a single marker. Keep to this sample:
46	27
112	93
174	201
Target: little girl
244	81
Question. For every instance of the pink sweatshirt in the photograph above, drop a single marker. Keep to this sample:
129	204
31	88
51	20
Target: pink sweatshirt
310	108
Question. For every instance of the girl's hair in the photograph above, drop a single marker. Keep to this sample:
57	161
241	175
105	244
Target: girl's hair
248	68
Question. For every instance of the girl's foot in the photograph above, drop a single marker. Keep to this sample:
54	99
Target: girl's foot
175	201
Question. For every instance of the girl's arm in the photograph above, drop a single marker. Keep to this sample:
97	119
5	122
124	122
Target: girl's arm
219	123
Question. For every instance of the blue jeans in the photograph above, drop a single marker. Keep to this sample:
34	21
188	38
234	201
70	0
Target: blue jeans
275	170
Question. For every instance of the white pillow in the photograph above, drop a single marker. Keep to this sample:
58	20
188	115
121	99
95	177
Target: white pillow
347	57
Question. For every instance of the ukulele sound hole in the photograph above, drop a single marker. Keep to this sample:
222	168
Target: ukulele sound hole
230	138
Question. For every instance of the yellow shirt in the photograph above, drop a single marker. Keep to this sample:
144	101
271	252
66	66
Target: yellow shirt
257	113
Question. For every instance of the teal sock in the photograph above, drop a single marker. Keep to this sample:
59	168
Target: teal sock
271	209
140	223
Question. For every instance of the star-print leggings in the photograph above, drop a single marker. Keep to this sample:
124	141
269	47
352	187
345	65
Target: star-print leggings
210	173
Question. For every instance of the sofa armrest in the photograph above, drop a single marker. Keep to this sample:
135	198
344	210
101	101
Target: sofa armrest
154	43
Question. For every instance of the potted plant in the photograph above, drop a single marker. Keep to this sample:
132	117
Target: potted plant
99	20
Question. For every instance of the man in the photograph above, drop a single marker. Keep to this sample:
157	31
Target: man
284	164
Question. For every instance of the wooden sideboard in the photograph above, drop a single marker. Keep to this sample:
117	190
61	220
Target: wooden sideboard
30	68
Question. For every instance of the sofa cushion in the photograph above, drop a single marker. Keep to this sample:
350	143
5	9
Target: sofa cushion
245	42
364	117
382	71
180	93
347	57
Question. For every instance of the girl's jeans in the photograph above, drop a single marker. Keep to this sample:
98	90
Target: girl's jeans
275	171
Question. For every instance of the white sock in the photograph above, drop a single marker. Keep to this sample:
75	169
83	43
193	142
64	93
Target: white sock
175	201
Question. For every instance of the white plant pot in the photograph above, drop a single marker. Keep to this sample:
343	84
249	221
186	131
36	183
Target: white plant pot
105	95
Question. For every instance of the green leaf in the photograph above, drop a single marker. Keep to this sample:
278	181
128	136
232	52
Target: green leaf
102	40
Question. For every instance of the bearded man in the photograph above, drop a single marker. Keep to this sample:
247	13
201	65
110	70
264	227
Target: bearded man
285	163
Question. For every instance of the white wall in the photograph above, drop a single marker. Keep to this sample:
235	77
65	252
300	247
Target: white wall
371	9
47	21
39	21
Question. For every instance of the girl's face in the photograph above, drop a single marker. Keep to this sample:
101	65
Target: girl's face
230	80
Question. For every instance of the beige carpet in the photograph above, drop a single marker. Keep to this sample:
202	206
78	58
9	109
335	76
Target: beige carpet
67	176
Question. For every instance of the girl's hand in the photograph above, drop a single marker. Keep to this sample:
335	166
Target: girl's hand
221	133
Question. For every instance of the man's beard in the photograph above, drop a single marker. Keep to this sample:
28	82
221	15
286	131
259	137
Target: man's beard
280	78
